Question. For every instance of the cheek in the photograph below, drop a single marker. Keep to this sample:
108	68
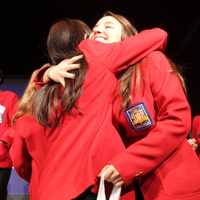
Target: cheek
113	36
117	37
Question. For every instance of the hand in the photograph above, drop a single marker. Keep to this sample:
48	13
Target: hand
59	72
193	143
3	151
111	174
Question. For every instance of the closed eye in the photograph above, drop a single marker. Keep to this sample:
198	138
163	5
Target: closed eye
109	27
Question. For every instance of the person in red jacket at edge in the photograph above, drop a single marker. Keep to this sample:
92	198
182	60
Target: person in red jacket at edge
64	161
154	121
8	102
195	134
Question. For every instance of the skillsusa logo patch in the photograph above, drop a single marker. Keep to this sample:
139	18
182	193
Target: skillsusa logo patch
138	117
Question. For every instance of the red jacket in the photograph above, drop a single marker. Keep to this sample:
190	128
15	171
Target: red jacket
196	128
196	131
156	126
66	160
8	102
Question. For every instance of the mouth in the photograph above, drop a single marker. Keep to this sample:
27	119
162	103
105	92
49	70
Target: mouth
100	38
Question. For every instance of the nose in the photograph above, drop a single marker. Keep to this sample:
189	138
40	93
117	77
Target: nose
98	29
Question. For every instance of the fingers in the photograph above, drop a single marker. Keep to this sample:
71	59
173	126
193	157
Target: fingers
112	175
117	180
193	143
73	66
59	72
68	75
119	183
74	59
63	75
107	172
62	82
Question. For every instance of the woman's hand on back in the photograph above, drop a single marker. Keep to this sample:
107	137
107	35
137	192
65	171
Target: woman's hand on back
60	71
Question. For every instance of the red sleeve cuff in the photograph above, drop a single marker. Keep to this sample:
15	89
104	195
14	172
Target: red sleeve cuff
38	80
127	168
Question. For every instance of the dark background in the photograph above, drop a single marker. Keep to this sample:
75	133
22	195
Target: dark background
24	27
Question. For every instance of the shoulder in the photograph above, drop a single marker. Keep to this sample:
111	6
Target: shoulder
156	57
156	70
27	119
27	125
156	61
8	99
196	120
8	94
197	117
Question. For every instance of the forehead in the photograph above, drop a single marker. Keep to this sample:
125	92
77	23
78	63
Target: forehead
108	20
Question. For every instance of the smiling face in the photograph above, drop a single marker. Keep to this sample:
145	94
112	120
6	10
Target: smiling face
107	30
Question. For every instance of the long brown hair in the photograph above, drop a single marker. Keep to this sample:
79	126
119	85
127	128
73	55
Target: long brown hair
52	101
25	102
125	77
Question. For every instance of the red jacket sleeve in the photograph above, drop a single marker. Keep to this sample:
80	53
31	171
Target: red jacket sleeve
172	123
20	157
196	128
11	100
38	79
29	142
120	55
6	129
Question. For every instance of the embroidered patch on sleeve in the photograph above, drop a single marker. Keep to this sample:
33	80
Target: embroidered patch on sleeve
138	117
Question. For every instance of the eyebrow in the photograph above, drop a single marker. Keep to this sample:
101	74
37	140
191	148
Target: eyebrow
109	23
106	23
